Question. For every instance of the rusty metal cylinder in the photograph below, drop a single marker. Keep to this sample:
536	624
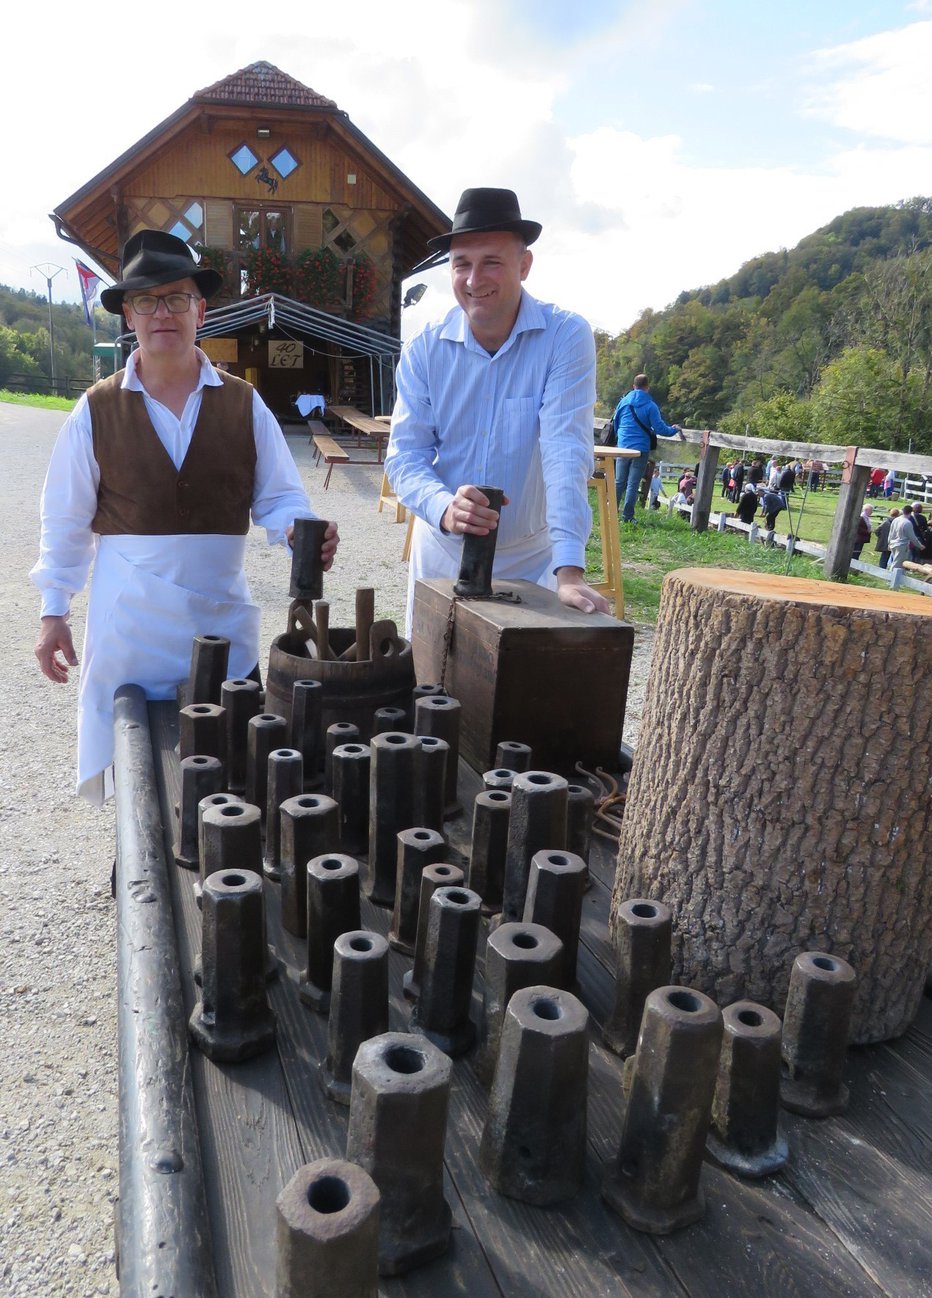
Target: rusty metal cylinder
305	728
516	956
513	756
643	940
210	655
441	1012
421	692
432	878
491	814
350	764
309	828
816	1021
439	715
341	732
211	800
478	555
332	909
327	1233
580	807
500	777
537	823
358	1006
200	776
307	568
397	1131
233	1020
417	848
533	1144
285	780
241	700
430	789
202	730
389	718
744	1135
392	778
230	837
653	1183
554	900
266	731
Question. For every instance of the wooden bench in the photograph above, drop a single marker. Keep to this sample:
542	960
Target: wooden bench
328	450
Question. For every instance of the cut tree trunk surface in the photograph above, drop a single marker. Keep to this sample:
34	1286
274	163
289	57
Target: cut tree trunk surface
780	795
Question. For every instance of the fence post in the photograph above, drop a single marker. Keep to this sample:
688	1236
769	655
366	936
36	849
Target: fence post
705	484
854	480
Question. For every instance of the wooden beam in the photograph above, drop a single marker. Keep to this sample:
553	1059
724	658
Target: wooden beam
705	483
854	482
866	455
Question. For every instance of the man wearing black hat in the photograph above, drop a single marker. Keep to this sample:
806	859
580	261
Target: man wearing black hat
501	392
154	477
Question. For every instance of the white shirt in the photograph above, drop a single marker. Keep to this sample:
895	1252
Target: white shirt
69	501
151	594
521	420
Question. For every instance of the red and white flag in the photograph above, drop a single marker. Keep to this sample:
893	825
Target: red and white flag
89	285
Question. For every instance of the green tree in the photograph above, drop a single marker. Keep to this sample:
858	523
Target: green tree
862	400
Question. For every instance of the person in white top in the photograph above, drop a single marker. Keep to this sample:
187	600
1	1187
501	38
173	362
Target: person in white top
155	587
501	392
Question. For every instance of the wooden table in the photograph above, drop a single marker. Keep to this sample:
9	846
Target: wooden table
363	424
850	1215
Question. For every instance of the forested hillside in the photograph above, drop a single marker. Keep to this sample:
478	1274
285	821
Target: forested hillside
830	341
24	338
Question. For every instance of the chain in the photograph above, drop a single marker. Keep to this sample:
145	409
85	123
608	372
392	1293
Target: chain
504	596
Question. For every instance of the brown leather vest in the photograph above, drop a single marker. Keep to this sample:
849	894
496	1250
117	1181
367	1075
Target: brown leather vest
141	492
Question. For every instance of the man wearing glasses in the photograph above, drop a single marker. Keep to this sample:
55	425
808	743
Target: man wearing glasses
154	477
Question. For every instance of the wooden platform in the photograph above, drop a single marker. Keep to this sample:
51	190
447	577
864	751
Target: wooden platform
851	1215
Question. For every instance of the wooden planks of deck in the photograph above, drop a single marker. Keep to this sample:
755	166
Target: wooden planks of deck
850	1215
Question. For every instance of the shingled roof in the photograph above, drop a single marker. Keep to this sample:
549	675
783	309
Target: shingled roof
263	84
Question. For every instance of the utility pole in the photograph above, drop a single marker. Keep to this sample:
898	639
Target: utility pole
48	270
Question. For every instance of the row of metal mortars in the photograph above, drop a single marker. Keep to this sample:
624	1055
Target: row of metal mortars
698	1081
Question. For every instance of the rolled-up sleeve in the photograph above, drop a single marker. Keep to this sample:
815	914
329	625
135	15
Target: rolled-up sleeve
278	494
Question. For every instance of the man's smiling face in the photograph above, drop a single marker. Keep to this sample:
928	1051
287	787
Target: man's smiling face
487	272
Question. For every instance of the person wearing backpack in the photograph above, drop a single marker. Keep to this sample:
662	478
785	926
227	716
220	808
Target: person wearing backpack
638	423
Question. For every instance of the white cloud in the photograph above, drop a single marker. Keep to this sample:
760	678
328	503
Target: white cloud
879	86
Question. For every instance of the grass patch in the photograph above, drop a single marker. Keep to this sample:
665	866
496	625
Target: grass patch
37	400
661	542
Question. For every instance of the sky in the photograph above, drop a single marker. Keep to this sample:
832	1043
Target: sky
660	145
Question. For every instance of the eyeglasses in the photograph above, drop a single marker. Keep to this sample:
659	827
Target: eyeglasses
148	303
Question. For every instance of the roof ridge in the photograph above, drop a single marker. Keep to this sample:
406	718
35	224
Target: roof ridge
263	83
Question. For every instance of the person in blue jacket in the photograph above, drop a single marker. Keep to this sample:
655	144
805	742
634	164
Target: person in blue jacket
636	417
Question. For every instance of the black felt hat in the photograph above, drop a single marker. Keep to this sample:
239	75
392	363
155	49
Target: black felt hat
152	257
480	210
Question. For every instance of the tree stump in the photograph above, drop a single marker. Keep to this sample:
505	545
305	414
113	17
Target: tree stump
780	795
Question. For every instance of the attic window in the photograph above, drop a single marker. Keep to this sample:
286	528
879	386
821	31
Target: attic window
284	163
243	159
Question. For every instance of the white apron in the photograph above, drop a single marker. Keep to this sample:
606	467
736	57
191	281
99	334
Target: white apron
140	628
436	555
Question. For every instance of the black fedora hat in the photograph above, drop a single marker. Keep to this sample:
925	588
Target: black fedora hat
152	257
481	210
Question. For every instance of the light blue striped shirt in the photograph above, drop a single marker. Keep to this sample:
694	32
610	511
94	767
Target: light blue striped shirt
520	420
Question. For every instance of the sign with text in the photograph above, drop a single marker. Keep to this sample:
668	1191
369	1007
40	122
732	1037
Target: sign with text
285	355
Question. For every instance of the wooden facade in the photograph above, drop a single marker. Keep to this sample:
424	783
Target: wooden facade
259	172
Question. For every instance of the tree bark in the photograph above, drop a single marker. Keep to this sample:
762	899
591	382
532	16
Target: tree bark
781	794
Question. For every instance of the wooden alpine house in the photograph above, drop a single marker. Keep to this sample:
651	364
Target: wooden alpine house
312	226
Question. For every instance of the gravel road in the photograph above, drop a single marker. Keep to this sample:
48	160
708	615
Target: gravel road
58	1092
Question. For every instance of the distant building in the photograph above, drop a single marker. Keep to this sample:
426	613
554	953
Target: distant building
312	226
